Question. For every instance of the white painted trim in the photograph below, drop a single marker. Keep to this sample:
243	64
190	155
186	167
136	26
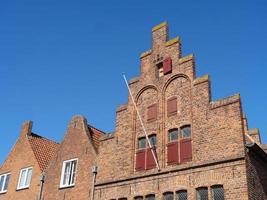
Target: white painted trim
4	182
27	172
63	170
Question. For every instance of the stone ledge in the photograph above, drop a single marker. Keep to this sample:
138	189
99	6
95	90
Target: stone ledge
225	101
172	41
159	26
106	137
186	58
122	108
201	79
146	53
133	80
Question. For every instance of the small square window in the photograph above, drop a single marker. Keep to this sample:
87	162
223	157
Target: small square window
4	180
152	140
68	173
142	143
173	135
25	178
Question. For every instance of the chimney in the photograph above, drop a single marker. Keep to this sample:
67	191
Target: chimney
26	128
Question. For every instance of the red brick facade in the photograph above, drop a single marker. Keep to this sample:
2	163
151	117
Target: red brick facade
199	144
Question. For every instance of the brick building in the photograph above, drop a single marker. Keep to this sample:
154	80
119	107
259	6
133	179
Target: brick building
20	173
203	148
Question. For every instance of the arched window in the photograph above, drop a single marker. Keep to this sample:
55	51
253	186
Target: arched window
138	198
150	197
181	195
168	196
202	193
217	192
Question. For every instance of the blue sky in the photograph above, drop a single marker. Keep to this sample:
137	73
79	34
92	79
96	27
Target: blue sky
61	58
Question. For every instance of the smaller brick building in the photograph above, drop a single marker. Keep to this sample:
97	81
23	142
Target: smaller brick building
21	171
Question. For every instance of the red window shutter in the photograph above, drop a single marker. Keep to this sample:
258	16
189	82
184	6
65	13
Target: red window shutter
167	66
172	106
185	150
150	162
172	151
152	113
140	160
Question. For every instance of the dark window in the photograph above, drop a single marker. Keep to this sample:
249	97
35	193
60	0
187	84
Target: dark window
173	135
168	196
181	195
138	198
202	193
142	143
217	192
152	140
122	198
152	113
150	197
186	131
172	106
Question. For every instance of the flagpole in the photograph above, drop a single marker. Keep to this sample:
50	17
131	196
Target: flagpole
140	119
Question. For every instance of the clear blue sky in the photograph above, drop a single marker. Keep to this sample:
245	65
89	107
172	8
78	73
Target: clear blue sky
59	58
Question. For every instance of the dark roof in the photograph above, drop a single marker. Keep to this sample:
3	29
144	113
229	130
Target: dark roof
258	150
43	149
96	134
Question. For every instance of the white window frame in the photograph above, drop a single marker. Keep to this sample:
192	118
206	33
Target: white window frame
4	182
24	186
63	171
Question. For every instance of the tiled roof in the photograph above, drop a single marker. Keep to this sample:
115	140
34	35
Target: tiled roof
43	148
96	135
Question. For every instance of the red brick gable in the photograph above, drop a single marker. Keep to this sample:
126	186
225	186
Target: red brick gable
43	149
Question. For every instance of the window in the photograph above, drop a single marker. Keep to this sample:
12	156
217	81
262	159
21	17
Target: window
150	197
24	178
68	173
217	192
168	196
160	69
152	140
152	113
181	195
4	180
173	135
185	144
172	106
144	155
142	143
167	65
122	198
186	131
202	193
138	198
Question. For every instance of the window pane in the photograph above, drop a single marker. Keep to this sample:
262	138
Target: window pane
138	198
186	132
28	177
153	140
217	193
150	197
66	173
141	143
182	195
73	171
202	194
2	182
6	183
22	178
168	196
173	135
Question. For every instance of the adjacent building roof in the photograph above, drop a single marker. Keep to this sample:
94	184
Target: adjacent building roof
96	134
43	148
